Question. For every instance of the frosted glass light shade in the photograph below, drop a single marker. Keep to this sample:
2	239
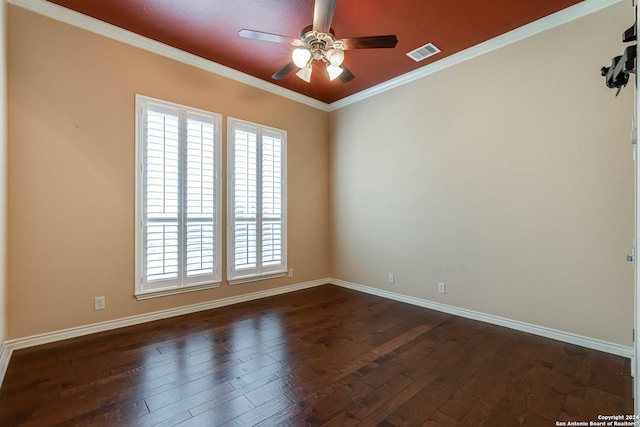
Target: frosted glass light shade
335	56
301	57
305	74
334	72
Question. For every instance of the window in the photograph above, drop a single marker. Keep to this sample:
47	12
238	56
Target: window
257	238
178	222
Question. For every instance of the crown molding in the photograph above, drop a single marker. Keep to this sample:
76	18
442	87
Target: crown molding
564	16
96	26
67	16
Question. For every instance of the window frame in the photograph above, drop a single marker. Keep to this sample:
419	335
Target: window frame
145	289
260	272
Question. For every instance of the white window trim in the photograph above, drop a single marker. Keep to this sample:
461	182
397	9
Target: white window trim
255	277
141	290
235	278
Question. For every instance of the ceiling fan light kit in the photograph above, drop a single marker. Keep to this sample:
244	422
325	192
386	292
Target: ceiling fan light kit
318	43
305	73
301	57
334	71
335	56
317	46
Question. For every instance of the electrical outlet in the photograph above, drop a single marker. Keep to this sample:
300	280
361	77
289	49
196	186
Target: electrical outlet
391	278
442	288
290	274
99	303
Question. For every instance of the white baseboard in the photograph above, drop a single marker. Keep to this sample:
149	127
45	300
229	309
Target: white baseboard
7	348
5	356
604	346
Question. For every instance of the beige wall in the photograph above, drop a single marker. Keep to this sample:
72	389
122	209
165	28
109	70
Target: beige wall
509	177
3	172
71	172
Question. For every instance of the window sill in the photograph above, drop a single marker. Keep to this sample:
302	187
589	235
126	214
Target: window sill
255	278
174	291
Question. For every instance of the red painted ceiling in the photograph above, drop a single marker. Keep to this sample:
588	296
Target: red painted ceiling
209	29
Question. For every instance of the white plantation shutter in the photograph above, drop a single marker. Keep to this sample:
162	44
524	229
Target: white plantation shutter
245	199
271	199
200	204
161	195
257	201
177	207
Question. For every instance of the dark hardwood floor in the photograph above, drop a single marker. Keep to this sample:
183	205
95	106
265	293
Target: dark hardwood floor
325	356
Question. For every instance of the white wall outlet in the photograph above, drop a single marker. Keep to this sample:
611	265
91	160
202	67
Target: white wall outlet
391	278
290	273
99	303
442	288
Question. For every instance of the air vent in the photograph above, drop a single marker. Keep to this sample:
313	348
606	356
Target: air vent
423	52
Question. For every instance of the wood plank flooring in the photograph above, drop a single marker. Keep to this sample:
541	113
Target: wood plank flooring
325	356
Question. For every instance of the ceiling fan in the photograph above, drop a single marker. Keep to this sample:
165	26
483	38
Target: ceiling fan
318	42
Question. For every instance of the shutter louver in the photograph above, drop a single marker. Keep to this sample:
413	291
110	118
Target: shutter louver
200	203
245	200
271	200
162	196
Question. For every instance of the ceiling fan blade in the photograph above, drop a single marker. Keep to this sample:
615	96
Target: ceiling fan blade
323	15
284	71
267	37
346	76
371	42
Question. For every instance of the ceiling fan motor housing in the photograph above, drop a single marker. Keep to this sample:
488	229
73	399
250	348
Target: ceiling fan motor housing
320	43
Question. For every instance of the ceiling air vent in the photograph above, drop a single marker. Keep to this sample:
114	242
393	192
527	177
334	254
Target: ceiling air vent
423	52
